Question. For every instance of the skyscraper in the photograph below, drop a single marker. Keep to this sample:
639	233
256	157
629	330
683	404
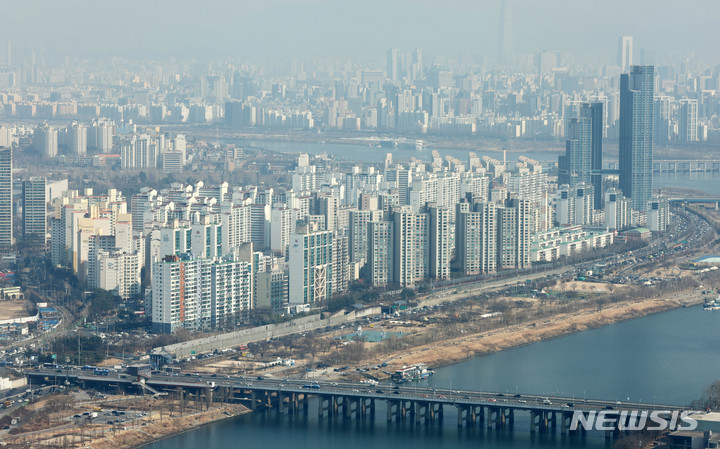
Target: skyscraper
625	53
576	166
392	64
636	134
34	207
595	111
583	150
6	193
417	64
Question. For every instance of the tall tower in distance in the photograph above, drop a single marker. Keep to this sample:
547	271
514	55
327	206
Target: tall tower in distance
636	134
392	64
6	194
505	42
625	53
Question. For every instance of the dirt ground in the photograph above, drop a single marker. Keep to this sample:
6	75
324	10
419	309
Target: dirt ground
162	419
12	309
587	287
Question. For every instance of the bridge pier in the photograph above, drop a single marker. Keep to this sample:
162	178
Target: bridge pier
463	414
393	409
471	413
565	421
422	411
408	408
280	402
439	411
497	416
349	406
540	419
346	407
367	404
325	404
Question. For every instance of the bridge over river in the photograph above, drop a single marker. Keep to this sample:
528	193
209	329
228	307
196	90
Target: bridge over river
359	400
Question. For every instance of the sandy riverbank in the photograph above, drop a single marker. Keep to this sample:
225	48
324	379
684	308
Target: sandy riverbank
140	437
456	350
135	433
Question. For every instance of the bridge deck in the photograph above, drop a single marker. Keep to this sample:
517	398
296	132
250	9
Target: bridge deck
353	390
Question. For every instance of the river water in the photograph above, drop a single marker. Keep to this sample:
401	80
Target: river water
364	153
664	358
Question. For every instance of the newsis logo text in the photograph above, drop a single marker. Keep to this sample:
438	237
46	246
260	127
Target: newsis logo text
634	420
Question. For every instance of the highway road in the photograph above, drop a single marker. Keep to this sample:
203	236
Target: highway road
524	401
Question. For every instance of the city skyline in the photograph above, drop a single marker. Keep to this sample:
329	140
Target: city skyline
317	28
293	209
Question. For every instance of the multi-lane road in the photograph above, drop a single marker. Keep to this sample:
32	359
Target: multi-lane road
164	382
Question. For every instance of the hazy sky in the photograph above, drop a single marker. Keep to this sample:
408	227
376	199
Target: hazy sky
360	28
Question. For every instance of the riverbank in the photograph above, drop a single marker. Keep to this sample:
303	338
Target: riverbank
463	348
138	430
140	437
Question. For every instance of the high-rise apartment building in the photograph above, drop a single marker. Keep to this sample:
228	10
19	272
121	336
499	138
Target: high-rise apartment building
35	209
636	134
6	194
281	226
77	139
199	294
476	245
439	251
617	210
513	235
45	140
311	267
661	118
583	150
380	252
688	120
410	253
658	215
100	135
